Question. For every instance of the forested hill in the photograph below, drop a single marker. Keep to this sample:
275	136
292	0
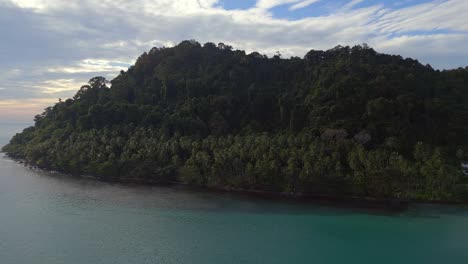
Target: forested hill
344	122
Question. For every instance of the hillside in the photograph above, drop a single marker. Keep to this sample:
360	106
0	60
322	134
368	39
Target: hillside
342	122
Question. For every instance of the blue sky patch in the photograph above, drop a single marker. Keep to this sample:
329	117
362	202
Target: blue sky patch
320	8
236	4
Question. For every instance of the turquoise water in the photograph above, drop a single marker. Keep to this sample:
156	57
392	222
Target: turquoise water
51	218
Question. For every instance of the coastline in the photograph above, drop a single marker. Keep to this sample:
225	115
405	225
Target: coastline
320	199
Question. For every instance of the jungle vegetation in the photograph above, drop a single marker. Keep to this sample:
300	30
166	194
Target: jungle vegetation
348	121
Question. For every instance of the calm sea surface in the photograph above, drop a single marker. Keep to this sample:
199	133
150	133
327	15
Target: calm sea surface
49	218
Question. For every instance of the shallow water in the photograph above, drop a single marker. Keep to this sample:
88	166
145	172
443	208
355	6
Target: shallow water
52	218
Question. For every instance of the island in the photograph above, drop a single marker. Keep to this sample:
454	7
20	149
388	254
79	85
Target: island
346	122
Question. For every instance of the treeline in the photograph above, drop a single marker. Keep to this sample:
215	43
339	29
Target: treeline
342	122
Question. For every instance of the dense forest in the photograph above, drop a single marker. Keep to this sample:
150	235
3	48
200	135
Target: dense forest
346	122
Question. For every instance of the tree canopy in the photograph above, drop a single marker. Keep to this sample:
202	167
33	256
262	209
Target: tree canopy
348	121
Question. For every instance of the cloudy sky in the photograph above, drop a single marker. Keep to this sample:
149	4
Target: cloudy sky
49	48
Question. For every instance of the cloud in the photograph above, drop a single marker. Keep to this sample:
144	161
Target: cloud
49	48
93	66
442	50
267	4
24	109
429	16
26	102
30	4
303	4
57	86
352	4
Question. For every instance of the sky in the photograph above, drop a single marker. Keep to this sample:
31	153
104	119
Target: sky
50	48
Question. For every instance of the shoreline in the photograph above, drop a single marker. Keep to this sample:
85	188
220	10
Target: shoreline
331	200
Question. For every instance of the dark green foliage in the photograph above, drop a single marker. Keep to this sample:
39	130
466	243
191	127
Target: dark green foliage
342	122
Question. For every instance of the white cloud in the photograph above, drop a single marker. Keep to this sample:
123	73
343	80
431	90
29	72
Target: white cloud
302	4
446	15
352	4
59	86
267	4
93	66
35	102
50	46
442	50
111	35
45	5
37	4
